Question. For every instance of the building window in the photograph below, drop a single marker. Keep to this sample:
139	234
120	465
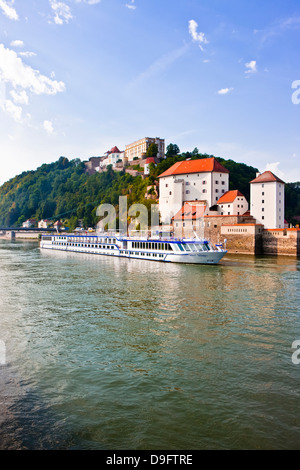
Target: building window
263	217
216	182
223	182
167	185
170	193
262	193
187	191
217	190
262	185
187	183
203	182
204	190
262	209
263	201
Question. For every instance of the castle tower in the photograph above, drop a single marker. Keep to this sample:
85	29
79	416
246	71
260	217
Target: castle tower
267	200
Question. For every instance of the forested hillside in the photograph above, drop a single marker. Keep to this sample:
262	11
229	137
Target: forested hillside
63	190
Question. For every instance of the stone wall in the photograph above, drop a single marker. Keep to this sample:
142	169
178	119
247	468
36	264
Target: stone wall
281	242
242	235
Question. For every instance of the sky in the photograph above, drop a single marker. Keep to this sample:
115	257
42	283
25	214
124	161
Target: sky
78	77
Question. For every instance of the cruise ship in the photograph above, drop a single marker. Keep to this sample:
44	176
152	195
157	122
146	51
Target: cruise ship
169	250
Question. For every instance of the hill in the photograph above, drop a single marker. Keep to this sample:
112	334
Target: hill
63	190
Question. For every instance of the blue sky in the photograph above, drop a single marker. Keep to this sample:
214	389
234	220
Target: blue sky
78	77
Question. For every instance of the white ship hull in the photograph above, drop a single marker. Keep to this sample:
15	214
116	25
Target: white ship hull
163	250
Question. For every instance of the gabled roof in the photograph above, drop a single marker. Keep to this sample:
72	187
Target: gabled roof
229	197
150	160
203	165
113	150
191	211
267	177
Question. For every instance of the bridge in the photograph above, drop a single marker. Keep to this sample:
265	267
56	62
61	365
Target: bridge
23	229
12	233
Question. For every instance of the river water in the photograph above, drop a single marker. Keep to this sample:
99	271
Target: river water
117	354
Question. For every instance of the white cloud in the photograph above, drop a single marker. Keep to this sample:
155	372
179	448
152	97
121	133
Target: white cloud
8	10
14	110
18	74
19	98
48	126
27	54
197	37
2	92
224	91
274	168
17	43
22	78
62	12
131	5
89	2
251	66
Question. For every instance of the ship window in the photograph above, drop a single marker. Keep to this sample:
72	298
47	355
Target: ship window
192	247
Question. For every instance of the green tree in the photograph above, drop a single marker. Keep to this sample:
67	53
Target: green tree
172	150
152	150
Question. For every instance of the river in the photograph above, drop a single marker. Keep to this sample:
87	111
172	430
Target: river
103	353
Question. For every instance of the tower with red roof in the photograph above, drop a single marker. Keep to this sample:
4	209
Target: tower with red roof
267	200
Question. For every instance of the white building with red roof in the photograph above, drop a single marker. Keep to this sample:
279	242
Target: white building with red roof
112	157
147	163
191	180
267	200
233	203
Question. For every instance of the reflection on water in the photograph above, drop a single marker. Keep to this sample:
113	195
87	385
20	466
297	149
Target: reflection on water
107	353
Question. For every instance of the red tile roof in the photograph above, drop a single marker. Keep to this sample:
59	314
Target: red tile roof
190	211
113	150
203	165
267	177
230	197
150	160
